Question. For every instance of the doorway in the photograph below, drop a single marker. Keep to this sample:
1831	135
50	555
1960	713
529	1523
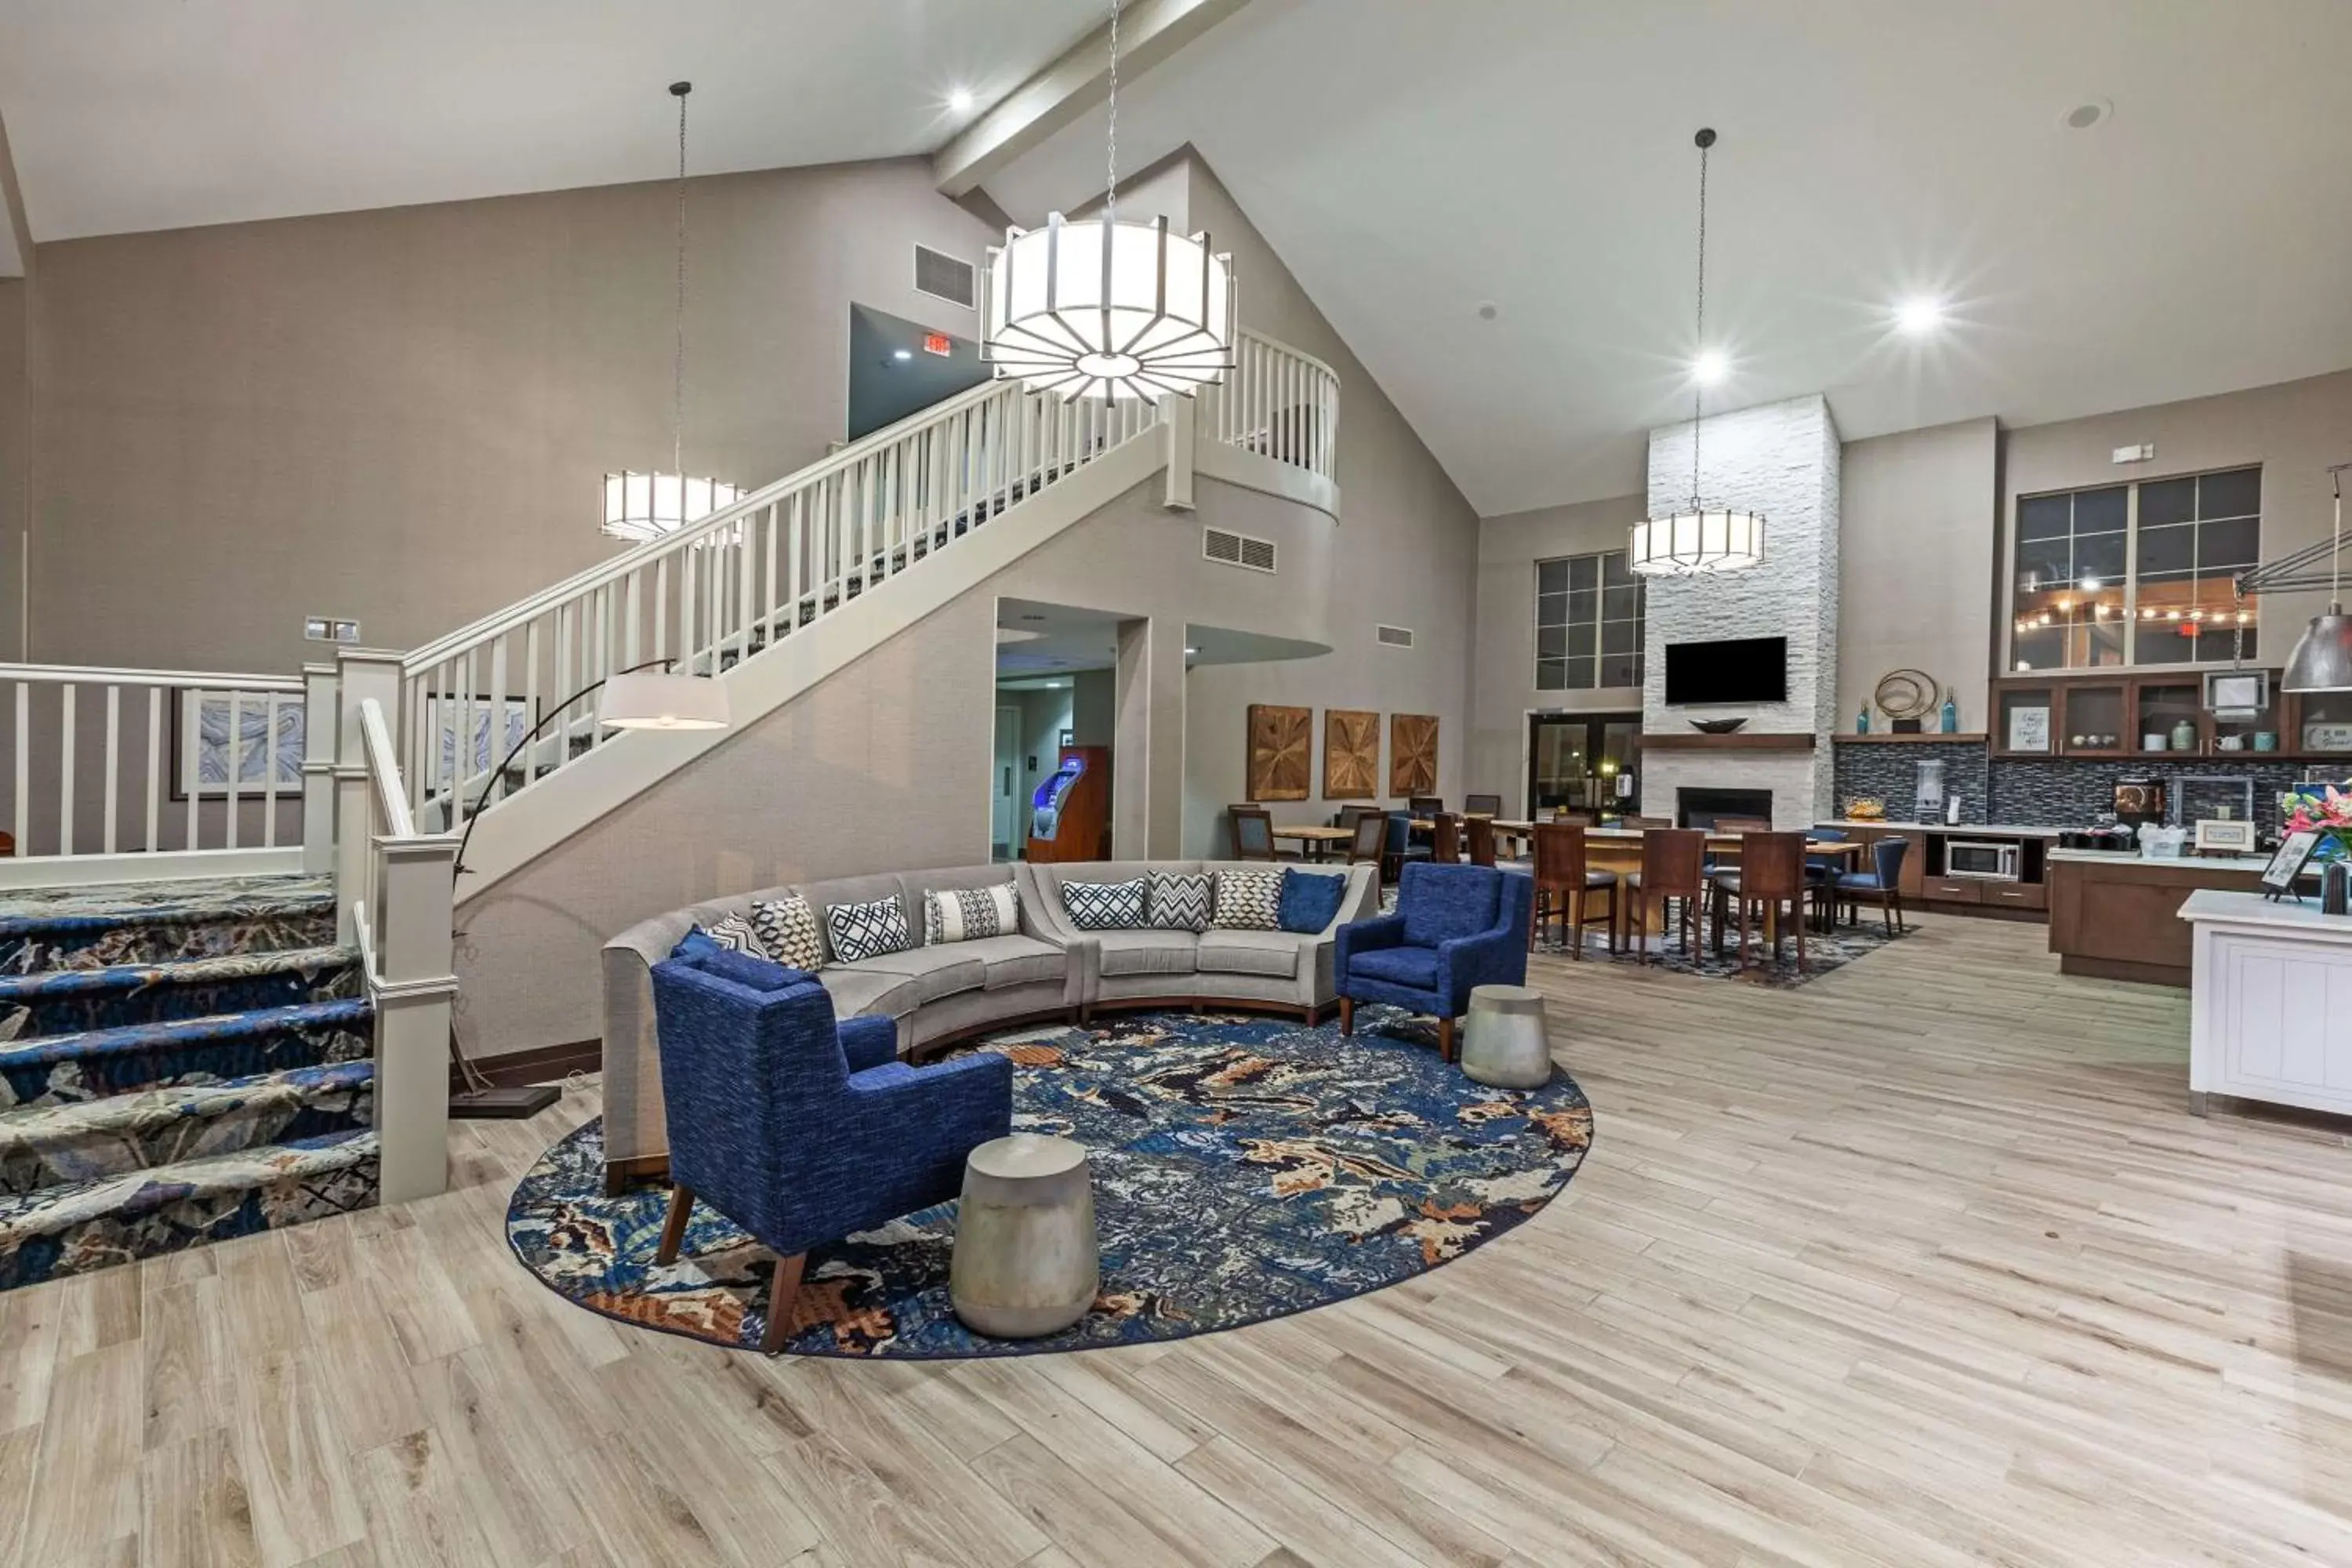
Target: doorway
1004	811
1586	761
898	367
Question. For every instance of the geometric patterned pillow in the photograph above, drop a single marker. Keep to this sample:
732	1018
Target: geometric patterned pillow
1250	899
967	915
787	929
859	931
1105	906
1178	902
735	934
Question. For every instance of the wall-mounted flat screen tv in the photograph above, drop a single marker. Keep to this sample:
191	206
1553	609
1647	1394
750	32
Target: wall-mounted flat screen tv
1736	669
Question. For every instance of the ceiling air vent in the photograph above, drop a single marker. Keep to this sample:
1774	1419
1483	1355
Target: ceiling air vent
942	276
1397	636
1237	549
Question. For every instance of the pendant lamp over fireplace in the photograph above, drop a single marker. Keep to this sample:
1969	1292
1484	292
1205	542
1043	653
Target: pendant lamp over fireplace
1694	538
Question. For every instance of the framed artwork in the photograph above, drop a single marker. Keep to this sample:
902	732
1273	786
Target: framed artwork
269	739
2029	729
443	716
2279	876
1413	754
1351	754
2216	836
1281	751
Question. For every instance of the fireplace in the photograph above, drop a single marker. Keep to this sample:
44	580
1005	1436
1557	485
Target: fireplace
1701	809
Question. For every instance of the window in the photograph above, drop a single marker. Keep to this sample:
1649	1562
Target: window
2135	574
1587	624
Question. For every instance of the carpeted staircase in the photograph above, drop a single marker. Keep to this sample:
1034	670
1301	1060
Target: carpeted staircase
179	1062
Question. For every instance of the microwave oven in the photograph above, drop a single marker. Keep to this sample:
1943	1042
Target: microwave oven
1989	862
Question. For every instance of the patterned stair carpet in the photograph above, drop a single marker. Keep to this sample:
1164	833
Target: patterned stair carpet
1245	1168
179	1063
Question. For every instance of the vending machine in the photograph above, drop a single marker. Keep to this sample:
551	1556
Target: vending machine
1069	814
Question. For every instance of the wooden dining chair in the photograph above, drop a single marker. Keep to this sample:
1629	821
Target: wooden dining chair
1673	869
1445	839
1565	883
1371	829
1253	833
1481	833
1770	874
1483	804
1425	805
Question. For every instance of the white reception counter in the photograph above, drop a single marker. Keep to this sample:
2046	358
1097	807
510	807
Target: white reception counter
2270	1002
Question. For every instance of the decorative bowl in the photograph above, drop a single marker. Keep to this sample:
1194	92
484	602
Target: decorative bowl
1863	808
1716	726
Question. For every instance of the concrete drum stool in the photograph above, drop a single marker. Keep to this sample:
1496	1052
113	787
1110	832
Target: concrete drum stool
1504	1043
1025	1260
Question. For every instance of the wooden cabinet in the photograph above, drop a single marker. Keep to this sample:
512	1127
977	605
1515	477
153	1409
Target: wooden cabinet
2017	895
2111	714
1952	889
2118	917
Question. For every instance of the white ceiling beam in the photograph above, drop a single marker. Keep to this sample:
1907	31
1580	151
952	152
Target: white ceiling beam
1150	31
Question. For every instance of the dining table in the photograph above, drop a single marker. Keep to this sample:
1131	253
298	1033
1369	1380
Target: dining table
1315	839
1619	850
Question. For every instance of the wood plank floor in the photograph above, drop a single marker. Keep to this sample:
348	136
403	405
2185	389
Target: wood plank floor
1924	1264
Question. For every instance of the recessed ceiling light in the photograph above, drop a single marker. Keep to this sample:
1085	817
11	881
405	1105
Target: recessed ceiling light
903	353
1710	367
1190	651
2084	116
1920	316
960	100
1488	310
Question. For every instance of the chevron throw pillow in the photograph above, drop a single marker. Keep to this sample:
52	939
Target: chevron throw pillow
787	929
1250	899
736	935
1104	906
1180	902
860	931
967	915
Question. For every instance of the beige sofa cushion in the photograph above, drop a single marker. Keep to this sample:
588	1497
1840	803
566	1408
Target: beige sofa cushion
937	971
1274	952
1016	960
856	990
1146	951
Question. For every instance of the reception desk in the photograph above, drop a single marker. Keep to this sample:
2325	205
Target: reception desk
2116	916
2270	1005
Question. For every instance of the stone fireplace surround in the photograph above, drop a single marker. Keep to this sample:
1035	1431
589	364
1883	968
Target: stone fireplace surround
1702	809
1781	459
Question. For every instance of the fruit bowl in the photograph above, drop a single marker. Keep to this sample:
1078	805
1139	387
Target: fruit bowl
1863	808
1716	726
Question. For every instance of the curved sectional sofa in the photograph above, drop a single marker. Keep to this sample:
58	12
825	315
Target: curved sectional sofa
938	992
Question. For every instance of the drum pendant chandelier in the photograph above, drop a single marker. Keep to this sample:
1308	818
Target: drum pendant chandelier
642	507
1105	310
1693	540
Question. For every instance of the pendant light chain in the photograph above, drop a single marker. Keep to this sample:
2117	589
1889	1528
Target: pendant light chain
1698	386
1110	174
678	350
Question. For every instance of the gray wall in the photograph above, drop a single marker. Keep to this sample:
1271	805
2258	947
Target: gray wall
1504	655
1916	567
404	415
1094	708
16	463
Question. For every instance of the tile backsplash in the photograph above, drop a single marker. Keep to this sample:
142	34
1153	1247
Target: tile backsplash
2049	792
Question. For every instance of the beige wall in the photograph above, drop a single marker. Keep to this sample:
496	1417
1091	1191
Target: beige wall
16	464
1503	651
2294	430
1917	525
404	415
1406	555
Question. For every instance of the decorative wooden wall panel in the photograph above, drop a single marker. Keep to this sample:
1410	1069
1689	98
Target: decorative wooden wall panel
1413	754
1351	754
1281	753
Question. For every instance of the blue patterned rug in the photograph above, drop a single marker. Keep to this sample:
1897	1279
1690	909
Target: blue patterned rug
1245	1168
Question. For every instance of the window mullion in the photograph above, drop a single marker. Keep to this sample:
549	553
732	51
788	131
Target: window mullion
2131	576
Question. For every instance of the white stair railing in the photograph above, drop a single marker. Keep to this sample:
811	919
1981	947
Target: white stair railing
732	583
1278	402
121	774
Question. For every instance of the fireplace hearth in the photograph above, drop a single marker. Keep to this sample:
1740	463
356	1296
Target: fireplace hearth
1702	809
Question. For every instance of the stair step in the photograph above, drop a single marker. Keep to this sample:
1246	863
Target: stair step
75	1227
154	922
133	1058
49	1145
71	1001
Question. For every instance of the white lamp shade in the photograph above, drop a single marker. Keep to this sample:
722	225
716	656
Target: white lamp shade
1125	311
1695	543
662	700
647	506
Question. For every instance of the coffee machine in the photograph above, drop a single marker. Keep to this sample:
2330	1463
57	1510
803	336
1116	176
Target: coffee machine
2140	802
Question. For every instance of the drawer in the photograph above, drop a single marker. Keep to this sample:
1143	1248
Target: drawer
1952	889
2018	895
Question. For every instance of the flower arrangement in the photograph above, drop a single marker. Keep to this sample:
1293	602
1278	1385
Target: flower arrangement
2329	814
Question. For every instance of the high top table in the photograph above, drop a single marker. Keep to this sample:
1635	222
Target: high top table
2270	1002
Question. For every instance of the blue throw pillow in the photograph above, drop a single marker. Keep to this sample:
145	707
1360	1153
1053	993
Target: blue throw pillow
1309	899
694	945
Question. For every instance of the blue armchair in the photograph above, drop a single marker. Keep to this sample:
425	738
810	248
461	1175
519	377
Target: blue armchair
1454	927
799	1130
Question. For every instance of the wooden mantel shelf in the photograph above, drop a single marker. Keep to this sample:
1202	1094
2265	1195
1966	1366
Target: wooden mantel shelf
1737	741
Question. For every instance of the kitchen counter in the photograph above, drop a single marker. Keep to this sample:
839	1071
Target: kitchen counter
2261	1023
2115	916
1961	829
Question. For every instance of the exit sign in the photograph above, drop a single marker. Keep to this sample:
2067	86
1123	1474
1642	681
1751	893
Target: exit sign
938	343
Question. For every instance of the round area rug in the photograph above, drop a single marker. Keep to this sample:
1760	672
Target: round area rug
1245	1168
